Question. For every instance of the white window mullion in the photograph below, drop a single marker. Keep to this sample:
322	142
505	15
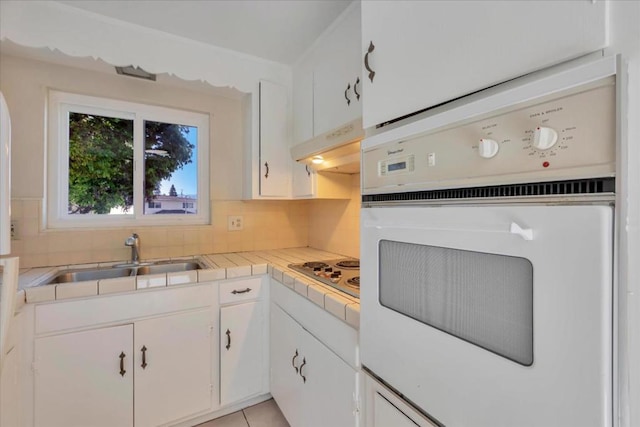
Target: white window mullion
138	162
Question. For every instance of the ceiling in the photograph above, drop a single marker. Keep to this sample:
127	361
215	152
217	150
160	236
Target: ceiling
277	30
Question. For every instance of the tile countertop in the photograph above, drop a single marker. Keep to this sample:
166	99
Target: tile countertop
219	267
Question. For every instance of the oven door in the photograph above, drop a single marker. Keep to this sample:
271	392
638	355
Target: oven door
493	315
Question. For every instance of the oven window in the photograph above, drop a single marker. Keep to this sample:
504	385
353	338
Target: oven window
484	299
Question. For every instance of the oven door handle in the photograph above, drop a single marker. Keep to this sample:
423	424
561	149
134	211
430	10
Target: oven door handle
525	233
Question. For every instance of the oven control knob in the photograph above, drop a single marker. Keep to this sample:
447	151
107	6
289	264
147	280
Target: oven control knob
487	148
544	138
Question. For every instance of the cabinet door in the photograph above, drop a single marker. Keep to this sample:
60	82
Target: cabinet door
174	367
304	181
10	390
285	358
337	78
431	52
241	351
329	387
79	379
275	159
302	103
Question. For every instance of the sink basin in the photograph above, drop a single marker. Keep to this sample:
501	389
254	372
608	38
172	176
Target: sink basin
168	267
68	276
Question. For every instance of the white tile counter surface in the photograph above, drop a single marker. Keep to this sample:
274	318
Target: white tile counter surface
218	267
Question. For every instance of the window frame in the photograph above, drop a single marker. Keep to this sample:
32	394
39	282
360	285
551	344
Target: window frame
60	104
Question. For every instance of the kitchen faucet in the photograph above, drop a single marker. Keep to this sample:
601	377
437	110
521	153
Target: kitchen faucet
134	242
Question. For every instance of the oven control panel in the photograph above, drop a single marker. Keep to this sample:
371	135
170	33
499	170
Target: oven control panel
570	137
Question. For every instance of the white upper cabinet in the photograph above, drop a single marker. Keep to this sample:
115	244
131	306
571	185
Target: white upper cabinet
427	53
337	86
327	81
274	158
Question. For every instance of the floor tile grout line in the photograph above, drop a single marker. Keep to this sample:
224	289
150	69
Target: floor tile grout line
245	418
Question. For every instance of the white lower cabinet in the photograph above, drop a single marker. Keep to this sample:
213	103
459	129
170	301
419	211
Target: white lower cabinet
93	377
244	359
310	383
241	351
85	378
384	408
173	372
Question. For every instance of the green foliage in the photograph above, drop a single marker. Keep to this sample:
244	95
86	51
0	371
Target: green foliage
101	160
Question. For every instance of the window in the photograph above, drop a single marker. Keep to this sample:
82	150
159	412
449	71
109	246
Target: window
116	163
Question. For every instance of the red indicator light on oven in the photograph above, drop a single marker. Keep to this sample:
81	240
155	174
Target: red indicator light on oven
545	164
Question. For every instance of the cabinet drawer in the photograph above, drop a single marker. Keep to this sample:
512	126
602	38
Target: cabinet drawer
240	290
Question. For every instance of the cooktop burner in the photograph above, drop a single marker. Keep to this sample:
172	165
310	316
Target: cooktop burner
349	264
315	264
342	274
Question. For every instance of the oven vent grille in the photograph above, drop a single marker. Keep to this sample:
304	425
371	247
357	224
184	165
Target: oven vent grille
556	188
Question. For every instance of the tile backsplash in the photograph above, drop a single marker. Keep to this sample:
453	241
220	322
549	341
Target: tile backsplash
267	225
331	225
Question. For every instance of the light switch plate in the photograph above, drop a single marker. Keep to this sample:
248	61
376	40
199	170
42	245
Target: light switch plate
235	223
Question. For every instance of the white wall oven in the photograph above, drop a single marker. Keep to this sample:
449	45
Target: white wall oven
487	255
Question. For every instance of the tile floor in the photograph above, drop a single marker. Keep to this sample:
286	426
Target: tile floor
265	414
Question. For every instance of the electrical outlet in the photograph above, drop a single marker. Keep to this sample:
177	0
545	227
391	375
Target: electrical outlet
15	235
235	223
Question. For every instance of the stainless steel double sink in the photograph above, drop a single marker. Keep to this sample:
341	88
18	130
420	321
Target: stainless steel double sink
123	270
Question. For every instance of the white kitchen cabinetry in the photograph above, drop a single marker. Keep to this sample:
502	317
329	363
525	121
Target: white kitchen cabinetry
173	369
94	377
274	168
327	82
243	329
308	183
337	88
427	53
310	383
85	378
10	376
383	408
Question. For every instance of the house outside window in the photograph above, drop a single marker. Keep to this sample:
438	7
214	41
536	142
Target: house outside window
120	163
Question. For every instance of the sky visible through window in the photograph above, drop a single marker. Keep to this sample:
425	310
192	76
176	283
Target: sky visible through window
185	179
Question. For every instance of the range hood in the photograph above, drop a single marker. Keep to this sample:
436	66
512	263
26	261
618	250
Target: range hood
335	151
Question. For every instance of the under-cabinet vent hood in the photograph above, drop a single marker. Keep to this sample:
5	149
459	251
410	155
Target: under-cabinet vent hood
335	151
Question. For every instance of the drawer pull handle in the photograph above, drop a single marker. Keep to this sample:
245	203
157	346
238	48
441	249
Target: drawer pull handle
366	61
243	291
122	356
266	174
304	362
144	356
293	361
355	88
345	93
228	339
